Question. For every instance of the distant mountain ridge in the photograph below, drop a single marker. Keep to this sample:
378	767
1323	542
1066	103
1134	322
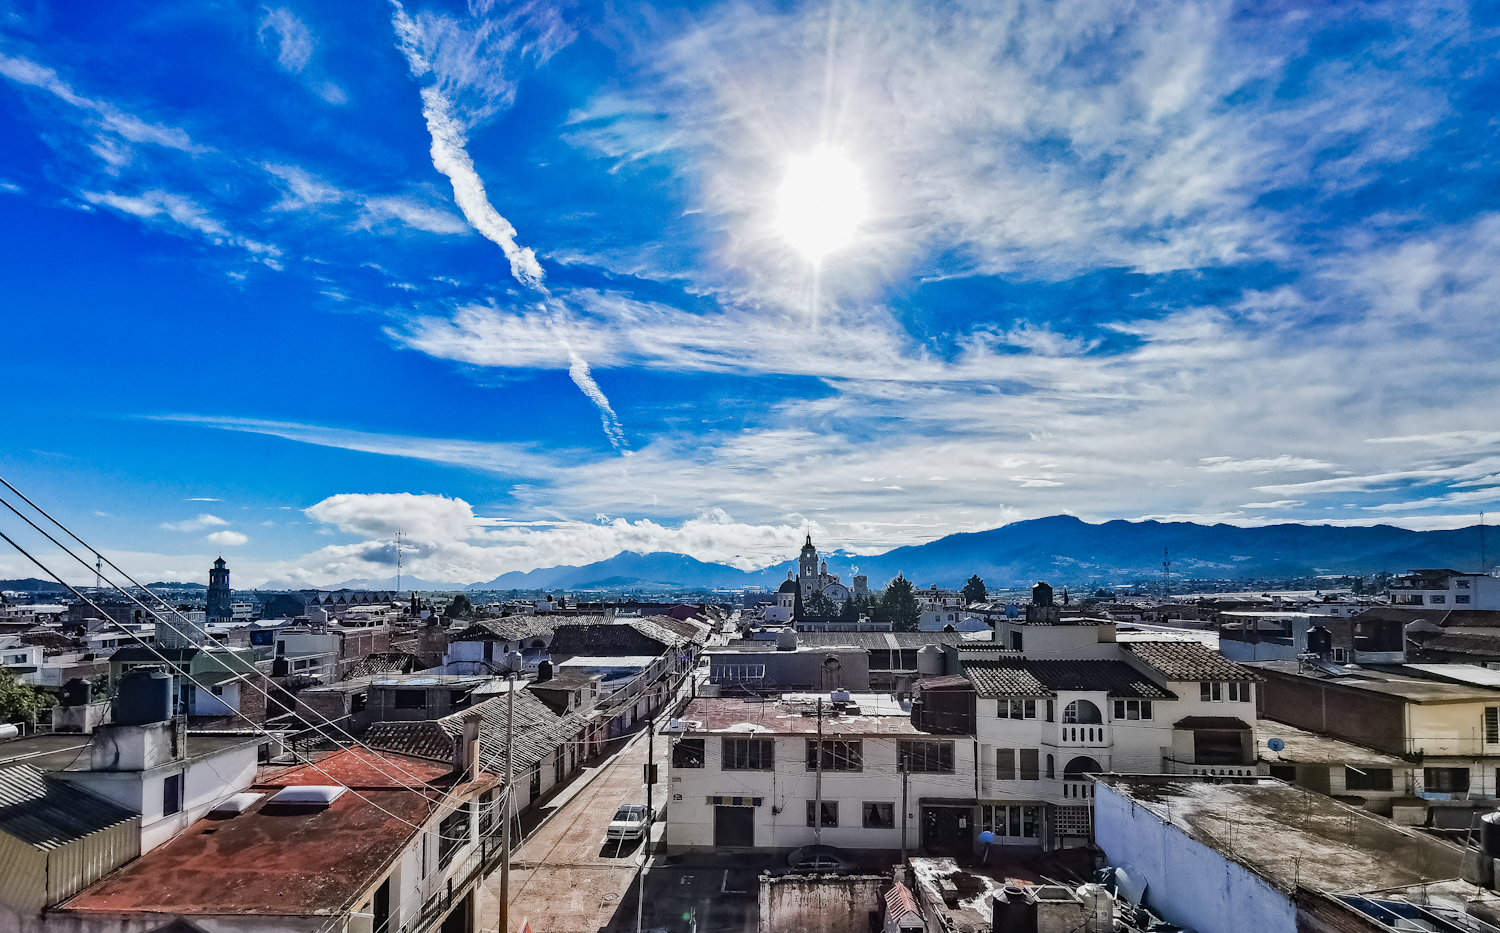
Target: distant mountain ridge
32	585
1064	550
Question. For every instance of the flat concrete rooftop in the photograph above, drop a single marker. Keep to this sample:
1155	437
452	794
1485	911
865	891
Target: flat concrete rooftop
1291	836
877	714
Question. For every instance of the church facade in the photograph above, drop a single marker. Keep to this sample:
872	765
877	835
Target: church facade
811	577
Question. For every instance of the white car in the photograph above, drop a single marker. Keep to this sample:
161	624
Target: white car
629	823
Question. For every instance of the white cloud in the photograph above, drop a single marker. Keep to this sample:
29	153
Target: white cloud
155	204
449	154
412	213
195	524
107	117
1278	504
203	499
1281	464
294	41
226	538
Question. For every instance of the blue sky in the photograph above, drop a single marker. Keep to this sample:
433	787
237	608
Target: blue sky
520	279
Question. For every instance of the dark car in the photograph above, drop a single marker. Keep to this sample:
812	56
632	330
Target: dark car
814	860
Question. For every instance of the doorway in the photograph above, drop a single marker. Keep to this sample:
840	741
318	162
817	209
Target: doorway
734	827
947	830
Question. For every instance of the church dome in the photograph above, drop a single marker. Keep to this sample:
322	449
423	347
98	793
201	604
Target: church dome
789	586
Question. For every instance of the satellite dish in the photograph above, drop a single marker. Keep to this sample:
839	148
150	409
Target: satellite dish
1275	745
986	838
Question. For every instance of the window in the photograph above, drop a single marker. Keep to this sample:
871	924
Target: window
171	794
1286	773
1015	641
838	755
688	753
1438	599
1367	778
1338	655
1461	599
1491	725
1130	710
1239	693
1016	709
217	689
357	703
1050	772
1082	711
1211	692
1030	767
1005	764
1049	711
830	812
1445	780
1461	584
458	699
1015	821
747	755
925	757
879	815
411	699
453	834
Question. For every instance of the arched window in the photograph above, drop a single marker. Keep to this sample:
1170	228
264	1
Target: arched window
1082	711
1080	766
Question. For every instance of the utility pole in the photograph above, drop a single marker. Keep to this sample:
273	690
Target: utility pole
513	662
905	778
640	901
818	787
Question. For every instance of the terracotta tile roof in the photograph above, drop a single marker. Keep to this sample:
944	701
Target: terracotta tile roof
538	731
1181	661
1026	678
510	628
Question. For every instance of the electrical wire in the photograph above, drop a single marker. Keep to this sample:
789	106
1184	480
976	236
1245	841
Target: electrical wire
239	675
425	790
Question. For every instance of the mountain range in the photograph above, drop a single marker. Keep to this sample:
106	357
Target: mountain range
1065	551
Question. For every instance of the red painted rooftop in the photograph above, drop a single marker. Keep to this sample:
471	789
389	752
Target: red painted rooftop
281	861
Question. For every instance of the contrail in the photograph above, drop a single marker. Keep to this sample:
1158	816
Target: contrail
451	157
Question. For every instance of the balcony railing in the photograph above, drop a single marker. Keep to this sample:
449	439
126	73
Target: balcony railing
1085	735
1080	791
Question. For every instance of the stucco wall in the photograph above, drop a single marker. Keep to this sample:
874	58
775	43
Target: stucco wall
1189	883
828	905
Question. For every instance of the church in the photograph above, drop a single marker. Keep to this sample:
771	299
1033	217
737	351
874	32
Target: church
812	576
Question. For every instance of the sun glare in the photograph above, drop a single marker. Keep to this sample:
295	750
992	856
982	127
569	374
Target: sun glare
821	203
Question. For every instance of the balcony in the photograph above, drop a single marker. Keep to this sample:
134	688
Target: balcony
1078	791
1083	735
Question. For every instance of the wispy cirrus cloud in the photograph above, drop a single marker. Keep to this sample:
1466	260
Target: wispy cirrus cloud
203	521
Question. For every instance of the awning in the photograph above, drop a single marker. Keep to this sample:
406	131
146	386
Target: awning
948	801
735	801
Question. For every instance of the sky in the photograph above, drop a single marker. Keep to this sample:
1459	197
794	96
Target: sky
533	283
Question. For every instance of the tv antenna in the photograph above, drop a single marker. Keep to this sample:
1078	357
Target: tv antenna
1166	573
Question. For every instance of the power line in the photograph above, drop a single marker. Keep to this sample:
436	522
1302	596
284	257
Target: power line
171	666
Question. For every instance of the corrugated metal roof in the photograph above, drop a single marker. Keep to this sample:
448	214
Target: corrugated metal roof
47	813
1188	660
1023	678
538	731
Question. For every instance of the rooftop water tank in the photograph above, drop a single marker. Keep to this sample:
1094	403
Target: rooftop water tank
1489	834
1014	911
77	692
929	660
1098	908
786	640
143	696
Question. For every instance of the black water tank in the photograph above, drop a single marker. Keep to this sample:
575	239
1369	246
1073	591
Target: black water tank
1489	834
143	697
543	671
1014	911
1319	641
77	692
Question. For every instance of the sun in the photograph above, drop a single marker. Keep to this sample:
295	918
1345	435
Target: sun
821	203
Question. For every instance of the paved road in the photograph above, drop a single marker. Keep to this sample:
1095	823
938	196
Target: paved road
565	878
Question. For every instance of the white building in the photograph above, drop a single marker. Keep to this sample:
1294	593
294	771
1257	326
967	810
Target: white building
1074	702
747	777
1446	589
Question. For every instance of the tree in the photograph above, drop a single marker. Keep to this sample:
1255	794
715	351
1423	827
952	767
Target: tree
21	702
460	608
848	612
821	606
901	602
974	591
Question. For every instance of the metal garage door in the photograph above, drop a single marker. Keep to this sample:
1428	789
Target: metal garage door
734	827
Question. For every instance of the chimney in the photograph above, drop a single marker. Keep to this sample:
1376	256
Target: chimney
466	750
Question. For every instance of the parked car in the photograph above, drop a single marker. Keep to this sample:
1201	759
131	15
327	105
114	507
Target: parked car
629	823
814	860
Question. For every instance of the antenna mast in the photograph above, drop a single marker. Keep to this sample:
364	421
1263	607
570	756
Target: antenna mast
1166	573
398	561
1483	563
